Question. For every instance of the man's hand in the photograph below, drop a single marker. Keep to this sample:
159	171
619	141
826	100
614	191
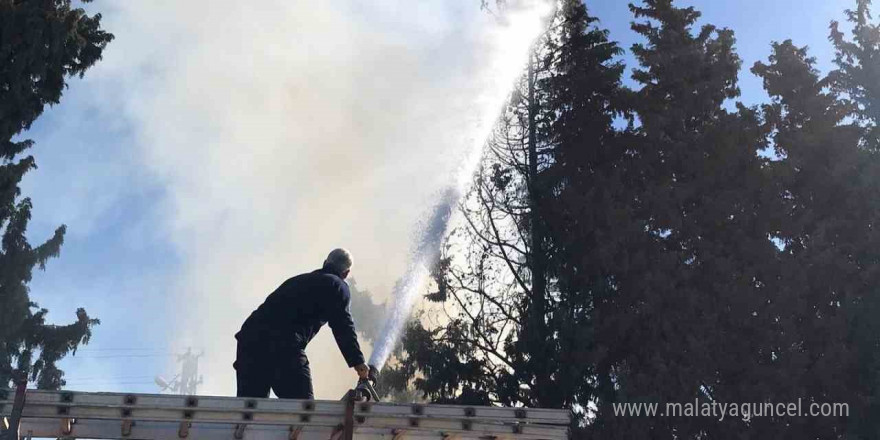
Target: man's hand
363	371
374	374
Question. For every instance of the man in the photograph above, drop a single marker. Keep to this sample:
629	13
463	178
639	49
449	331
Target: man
272	341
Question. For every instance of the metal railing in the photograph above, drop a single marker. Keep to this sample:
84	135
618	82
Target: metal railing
71	414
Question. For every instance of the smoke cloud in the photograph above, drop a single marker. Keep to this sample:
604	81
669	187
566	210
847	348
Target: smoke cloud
283	129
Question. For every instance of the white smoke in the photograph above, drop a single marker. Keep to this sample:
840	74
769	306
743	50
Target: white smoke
283	129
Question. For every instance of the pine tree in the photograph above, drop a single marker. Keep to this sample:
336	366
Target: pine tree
828	185
684	316
858	69
681	264
514	338
858	77
42	43
825	134
583	94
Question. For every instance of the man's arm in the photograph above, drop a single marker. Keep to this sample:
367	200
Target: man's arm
342	324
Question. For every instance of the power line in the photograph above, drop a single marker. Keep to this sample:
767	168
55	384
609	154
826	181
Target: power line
165	348
117	356
99	378
124	349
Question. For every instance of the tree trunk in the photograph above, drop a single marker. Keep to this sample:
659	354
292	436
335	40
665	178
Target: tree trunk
537	257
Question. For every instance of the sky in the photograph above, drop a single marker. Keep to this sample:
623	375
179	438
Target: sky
217	150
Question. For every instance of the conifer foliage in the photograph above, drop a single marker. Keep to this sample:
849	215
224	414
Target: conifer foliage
42	44
666	243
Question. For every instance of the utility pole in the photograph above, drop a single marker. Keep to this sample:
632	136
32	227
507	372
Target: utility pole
189	379
189	372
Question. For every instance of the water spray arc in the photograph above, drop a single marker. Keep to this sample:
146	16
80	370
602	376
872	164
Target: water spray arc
424	256
528	16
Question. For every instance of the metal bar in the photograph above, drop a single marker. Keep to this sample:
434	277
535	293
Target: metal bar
379	423
99	415
66	427
295	431
337	432
207	404
92	429
239	431
348	431
387	424
365	419
12	431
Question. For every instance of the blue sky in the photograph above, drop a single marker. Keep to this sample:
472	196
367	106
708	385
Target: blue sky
112	259
129	185
756	23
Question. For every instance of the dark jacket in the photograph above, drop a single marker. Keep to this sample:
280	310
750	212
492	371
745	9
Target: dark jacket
295	311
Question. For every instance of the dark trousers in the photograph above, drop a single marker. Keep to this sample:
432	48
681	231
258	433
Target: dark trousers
261	366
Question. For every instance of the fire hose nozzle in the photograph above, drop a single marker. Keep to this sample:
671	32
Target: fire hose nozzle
365	387
365	391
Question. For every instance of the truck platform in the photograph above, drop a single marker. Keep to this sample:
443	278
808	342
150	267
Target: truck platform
28	414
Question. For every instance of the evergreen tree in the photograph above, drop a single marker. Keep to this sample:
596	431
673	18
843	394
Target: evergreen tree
858	63
678	262
825	131
579	189
858	77
822	222
514	337
42	43
684	318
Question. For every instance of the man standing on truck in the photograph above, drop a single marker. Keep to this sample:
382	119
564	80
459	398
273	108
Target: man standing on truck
272	341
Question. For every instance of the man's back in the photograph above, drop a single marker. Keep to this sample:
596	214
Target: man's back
294	313
270	353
